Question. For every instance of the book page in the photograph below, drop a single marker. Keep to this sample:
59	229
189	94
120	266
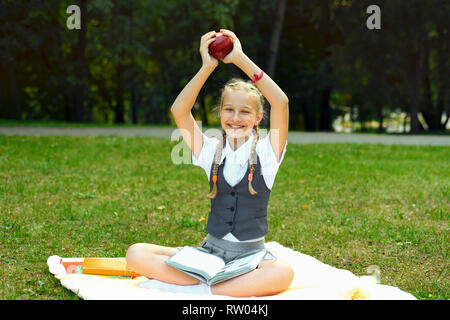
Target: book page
238	267
251	260
196	259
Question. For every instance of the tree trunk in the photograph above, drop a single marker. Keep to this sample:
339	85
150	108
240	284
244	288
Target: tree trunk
79	89
443	69
13	90
17	114
132	81
380	118
67	108
325	109
405	119
414	39
134	106
275	39
119	110
273	48
255	31
444	124
431	115
415	91
362	118
309	117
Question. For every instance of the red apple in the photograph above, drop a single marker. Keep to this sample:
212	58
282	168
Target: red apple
220	47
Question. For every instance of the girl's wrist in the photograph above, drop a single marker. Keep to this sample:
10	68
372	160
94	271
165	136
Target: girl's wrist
207	68
248	67
240	59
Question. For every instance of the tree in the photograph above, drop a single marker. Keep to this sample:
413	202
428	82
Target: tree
275	38
131	58
80	66
436	68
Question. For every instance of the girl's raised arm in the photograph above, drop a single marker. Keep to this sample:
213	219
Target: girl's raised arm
181	108
279	102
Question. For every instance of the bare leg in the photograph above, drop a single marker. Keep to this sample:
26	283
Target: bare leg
271	277
149	260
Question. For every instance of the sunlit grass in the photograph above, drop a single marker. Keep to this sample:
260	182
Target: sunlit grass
348	205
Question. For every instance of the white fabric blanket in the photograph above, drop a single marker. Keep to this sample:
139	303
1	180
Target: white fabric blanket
313	280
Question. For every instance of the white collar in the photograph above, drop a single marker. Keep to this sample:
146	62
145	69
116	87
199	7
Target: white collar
241	154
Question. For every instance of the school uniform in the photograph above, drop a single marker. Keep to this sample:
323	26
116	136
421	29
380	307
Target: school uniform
237	222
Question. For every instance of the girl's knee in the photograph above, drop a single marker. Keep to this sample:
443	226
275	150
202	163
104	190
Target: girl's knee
285	274
134	253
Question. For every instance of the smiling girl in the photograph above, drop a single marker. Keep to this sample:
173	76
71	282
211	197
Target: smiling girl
241	169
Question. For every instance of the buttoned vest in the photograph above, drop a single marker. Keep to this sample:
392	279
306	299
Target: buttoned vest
235	210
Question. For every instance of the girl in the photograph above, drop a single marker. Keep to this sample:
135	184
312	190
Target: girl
241	168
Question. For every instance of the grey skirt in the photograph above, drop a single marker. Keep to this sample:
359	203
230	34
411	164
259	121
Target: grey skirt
229	250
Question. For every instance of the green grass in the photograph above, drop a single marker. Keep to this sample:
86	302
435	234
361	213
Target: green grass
348	205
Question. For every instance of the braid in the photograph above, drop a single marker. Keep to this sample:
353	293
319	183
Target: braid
252	162
217	157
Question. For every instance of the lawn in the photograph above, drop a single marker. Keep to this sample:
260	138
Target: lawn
348	205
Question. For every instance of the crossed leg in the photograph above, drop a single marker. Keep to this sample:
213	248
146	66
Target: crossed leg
270	277
149	260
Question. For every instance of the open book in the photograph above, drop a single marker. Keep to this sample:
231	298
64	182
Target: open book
212	269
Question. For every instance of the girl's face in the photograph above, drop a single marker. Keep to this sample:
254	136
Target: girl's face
239	114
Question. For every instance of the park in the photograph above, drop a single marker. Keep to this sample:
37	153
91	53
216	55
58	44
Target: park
94	157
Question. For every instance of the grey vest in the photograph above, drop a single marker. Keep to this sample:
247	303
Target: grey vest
235	210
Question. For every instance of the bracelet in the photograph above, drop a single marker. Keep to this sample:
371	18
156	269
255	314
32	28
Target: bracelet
257	77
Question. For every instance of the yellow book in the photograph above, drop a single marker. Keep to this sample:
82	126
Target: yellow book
107	266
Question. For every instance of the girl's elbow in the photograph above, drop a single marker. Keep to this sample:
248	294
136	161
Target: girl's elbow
174	111
286	101
281	104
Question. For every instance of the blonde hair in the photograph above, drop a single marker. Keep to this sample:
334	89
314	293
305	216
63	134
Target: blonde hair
238	84
247	86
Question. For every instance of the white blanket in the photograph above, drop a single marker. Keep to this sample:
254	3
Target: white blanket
313	280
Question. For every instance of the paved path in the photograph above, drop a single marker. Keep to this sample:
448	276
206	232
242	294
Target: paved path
294	137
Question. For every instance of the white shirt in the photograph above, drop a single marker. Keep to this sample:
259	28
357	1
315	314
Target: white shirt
237	163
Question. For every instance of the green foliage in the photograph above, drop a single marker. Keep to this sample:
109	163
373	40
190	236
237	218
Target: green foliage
133	57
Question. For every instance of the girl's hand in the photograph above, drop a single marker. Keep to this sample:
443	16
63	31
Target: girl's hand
237	52
208	60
